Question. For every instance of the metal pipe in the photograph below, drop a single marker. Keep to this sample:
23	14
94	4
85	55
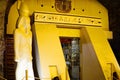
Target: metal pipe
26	72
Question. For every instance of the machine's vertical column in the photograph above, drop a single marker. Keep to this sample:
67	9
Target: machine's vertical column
96	54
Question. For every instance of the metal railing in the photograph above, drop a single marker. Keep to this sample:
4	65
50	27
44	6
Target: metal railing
114	75
27	77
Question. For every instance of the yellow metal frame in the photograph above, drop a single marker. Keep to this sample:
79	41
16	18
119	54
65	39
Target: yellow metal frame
93	39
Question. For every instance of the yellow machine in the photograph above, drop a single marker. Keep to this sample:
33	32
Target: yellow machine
83	19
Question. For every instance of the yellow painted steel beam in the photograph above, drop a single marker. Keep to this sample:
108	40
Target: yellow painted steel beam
97	58
66	32
49	51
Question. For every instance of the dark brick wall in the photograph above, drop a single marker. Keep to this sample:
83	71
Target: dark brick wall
2	43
